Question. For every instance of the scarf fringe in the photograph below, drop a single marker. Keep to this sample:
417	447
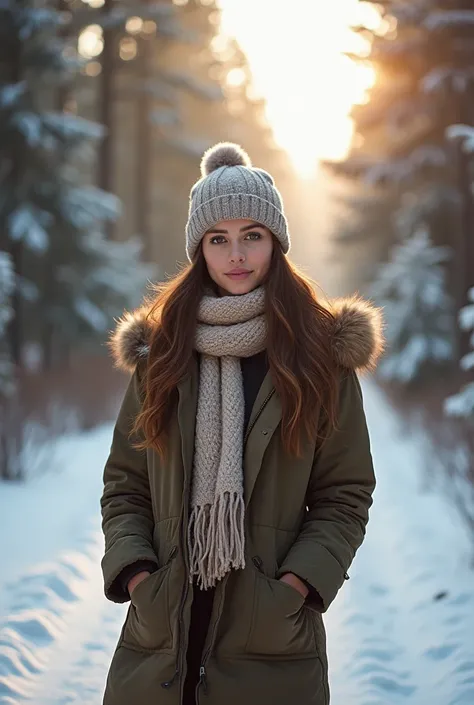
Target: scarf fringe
216	539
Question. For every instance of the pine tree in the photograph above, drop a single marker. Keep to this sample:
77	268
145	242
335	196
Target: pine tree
48	214
422	52
411	288
65	273
423	58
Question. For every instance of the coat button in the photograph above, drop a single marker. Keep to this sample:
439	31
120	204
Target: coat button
265	432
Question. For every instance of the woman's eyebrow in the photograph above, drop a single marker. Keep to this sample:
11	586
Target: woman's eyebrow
242	230
251	227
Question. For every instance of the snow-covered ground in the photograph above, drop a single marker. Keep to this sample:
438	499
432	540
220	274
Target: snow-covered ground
57	631
400	631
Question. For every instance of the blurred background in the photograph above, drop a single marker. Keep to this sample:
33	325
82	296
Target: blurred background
364	114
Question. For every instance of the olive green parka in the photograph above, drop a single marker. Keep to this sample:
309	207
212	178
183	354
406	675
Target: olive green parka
265	645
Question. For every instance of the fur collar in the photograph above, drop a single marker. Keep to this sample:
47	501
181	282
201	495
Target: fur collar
358	339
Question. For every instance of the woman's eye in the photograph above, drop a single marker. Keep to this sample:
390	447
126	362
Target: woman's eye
219	239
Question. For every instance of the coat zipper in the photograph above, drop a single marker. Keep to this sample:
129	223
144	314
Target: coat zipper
202	670
202	682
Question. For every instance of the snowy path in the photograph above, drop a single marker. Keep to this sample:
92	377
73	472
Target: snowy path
401	631
57	631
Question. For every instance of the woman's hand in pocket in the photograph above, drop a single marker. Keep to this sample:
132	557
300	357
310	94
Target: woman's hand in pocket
133	582
296	583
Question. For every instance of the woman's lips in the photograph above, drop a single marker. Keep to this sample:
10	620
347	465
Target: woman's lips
240	275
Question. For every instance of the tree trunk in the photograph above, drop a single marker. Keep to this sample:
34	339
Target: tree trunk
15	325
49	351
144	146
106	112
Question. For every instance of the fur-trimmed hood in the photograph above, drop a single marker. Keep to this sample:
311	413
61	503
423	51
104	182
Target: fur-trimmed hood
358	339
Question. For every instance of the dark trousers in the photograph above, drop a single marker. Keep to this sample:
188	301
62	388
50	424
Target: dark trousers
201	610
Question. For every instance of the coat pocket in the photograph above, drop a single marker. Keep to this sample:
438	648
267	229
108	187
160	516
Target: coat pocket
281	624
148	624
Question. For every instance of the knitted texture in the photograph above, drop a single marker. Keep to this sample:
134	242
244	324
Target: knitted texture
230	189
228	328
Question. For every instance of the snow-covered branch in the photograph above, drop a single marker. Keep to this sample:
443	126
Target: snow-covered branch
448	19
412	289
460	80
463	132
462	403
401	170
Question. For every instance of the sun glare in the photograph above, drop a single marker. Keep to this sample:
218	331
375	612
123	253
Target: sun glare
298	65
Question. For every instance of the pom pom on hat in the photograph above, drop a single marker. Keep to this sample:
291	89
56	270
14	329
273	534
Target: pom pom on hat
224	154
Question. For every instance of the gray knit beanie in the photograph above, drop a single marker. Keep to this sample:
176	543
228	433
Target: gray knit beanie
230	188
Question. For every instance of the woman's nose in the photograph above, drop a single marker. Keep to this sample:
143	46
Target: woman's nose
236	256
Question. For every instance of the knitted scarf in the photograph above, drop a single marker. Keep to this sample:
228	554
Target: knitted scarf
228	328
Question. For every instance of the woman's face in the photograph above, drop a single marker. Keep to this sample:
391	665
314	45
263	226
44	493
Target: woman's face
238	255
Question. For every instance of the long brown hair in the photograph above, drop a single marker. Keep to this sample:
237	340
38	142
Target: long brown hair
302	365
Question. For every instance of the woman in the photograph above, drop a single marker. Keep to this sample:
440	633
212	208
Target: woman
239	480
